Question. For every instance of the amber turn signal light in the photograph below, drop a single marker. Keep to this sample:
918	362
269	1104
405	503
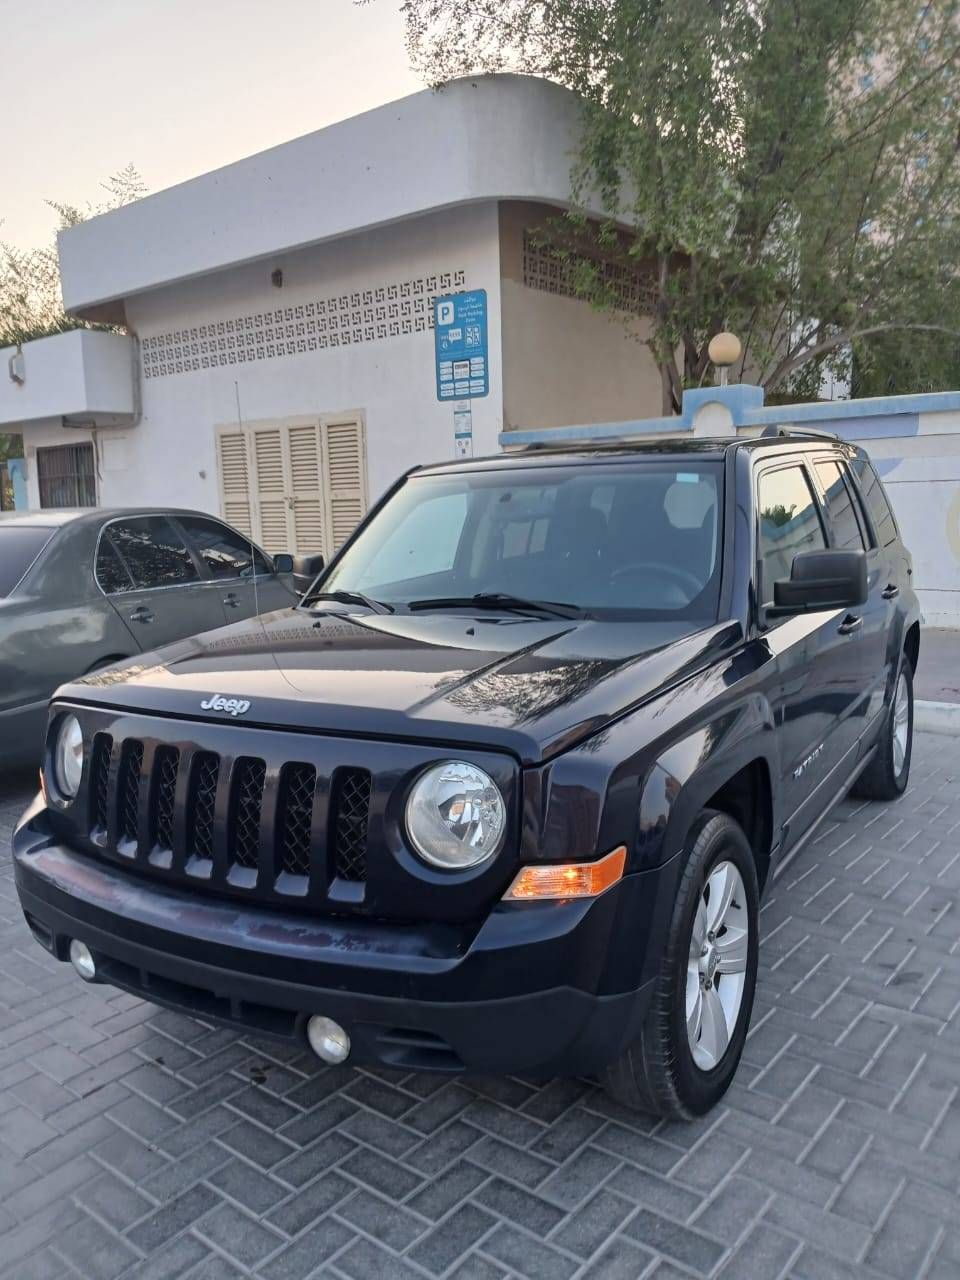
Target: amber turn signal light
568	879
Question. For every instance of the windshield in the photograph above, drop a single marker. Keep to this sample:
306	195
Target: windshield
19	547
615	540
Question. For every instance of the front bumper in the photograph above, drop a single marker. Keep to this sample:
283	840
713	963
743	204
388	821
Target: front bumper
545	988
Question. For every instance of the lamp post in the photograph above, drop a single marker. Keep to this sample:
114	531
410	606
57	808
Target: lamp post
724	350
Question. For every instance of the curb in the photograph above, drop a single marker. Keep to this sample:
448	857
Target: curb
937	717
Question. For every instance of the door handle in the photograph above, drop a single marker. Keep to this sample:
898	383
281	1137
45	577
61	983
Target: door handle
890	591
850	624
232	601
142	614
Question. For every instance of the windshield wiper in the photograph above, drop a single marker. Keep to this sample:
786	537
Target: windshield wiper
500	600
349	597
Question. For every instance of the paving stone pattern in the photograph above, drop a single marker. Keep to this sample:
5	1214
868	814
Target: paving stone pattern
137	1143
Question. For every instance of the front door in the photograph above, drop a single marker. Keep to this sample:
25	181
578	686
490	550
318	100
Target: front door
150	577
812	694
246	582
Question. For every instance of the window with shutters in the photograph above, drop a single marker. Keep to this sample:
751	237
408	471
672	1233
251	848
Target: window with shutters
298	485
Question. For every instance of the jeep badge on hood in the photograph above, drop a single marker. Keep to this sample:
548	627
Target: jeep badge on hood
233	706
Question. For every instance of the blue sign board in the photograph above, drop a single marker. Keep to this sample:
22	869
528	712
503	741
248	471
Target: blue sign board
460	337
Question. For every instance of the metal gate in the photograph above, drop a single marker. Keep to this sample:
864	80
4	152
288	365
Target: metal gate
66	476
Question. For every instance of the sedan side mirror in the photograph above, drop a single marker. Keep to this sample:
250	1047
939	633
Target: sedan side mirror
283	563
831	579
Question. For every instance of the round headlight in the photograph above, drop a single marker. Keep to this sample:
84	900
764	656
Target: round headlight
456	815
68	757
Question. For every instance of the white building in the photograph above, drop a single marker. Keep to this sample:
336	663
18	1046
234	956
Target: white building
281	368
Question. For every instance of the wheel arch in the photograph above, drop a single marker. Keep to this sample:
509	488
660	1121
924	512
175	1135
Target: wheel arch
739	784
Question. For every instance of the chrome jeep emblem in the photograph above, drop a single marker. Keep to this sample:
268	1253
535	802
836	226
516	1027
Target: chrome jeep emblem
232	706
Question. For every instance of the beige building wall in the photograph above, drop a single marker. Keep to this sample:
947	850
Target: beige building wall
563	362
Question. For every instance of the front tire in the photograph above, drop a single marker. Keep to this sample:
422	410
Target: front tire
691	1041
887	774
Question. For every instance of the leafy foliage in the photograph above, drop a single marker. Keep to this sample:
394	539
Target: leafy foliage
31	305
787	169
30	301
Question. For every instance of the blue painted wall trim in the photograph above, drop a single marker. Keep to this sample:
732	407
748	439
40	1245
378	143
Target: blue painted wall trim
874	418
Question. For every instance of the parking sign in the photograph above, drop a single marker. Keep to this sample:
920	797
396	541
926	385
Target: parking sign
460	342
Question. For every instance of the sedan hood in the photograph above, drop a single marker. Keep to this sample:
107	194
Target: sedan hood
530	686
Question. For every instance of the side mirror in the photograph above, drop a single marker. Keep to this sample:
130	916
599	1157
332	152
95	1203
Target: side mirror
283	563
831	579
307	566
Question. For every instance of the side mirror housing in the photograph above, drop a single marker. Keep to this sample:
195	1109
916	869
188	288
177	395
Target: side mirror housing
308	566
283	563
831	579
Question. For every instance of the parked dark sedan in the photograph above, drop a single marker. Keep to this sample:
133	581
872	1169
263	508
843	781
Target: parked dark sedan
82	589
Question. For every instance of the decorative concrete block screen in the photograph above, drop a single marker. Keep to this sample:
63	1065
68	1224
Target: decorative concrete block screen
550	272
345	319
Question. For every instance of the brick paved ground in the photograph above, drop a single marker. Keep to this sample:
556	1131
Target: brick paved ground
137	1143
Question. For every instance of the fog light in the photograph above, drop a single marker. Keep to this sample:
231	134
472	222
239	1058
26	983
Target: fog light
328	1040
82	960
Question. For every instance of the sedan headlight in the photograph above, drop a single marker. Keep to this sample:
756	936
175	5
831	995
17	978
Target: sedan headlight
456	816
68	757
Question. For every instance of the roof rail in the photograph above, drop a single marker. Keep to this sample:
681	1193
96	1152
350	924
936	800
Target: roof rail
530	439
777	430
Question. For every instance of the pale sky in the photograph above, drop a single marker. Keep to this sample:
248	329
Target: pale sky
178	87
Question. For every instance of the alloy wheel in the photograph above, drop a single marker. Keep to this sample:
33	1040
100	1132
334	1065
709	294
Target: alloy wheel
901	724
717	965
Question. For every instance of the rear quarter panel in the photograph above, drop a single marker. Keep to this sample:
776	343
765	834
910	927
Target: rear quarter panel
58	624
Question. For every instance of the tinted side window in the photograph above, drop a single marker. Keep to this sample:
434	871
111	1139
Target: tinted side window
226	554
112	576
876	502
789	523
841	511
153	551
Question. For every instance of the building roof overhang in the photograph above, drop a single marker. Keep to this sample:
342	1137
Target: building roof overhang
83	377
477	139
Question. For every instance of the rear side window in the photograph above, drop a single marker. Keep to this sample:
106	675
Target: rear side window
112	575
876	502
226	554
841	507
19	547
789	523
152	551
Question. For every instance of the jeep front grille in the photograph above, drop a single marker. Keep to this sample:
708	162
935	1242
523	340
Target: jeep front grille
277	834
350	813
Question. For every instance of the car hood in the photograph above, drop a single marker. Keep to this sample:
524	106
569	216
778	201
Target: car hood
531	686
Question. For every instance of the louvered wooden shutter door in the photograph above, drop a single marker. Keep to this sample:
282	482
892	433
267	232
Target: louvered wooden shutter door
270	475
306	474
235	481
346	475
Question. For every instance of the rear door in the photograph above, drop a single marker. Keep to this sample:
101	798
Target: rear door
151	578
867	659
812	696
890	569
245	578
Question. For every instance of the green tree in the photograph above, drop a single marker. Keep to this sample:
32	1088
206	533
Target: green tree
31	305
787	169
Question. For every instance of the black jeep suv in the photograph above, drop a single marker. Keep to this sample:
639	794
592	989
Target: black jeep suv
503	792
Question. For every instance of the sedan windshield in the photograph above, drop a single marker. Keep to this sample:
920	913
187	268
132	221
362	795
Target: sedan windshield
19	547
609	540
